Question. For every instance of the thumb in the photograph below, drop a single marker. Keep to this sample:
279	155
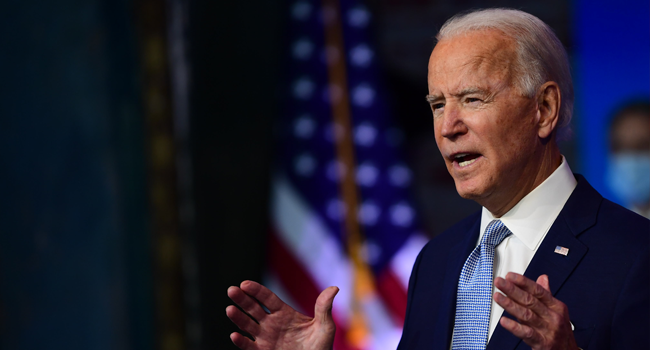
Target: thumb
323	308
543	281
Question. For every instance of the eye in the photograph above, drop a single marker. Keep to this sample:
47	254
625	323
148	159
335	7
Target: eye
436	106
473	100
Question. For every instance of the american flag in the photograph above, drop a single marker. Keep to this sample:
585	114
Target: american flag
340	214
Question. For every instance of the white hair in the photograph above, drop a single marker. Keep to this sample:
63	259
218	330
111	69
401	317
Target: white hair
540	54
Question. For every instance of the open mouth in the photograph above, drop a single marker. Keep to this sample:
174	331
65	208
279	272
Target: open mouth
465	159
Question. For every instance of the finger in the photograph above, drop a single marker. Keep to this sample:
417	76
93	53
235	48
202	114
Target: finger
248	304
543	281
243	321
557	305
527	334
263	295
242	342
519	300
523	314
323	307
531	287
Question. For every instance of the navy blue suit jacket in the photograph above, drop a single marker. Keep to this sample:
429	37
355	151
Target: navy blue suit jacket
603	280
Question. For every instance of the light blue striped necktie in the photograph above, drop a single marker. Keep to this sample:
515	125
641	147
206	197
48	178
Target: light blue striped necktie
474	298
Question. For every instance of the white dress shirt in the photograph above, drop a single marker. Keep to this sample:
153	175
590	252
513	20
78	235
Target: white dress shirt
529	221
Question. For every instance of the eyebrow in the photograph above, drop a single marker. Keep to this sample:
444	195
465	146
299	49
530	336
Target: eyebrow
470	90
433	98
466	91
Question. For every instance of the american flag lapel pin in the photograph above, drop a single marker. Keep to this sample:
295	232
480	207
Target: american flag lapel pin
562	250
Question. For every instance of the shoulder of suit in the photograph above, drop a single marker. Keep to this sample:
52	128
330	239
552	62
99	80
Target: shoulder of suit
630	223
588	213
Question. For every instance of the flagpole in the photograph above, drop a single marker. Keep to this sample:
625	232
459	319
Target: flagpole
363	281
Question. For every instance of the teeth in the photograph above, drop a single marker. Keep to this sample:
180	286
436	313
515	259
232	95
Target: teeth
467	162
461	155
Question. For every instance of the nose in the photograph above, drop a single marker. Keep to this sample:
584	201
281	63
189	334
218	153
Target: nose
451	123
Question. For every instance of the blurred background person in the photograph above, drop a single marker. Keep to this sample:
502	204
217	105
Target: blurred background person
628	174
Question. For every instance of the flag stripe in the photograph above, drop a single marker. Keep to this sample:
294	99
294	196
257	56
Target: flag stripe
403	260
300	286
308	238
393	294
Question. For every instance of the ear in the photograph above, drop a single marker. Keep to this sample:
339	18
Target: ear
548	108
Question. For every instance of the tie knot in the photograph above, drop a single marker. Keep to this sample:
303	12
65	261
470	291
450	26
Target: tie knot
495	232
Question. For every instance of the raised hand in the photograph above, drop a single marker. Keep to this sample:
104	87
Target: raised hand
543	321
282	328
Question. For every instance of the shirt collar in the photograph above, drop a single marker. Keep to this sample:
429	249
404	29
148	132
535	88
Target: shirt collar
531	218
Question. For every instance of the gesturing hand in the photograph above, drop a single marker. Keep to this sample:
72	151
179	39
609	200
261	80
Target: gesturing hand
543	320
282	328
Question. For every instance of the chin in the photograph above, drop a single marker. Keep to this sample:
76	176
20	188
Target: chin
468	190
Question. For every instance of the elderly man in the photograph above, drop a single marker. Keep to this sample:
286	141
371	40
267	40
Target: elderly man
571	268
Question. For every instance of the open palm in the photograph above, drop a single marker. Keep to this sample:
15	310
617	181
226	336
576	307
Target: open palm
282	328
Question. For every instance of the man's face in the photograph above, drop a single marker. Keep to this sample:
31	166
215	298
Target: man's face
485	128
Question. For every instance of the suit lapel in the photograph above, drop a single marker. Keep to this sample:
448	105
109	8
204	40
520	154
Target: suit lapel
558	268
579	213
457	256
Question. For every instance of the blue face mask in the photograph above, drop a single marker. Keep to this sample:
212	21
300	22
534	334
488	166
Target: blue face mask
628	177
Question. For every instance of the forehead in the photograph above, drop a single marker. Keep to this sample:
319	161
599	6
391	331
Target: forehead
476	57
631	120
631	126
